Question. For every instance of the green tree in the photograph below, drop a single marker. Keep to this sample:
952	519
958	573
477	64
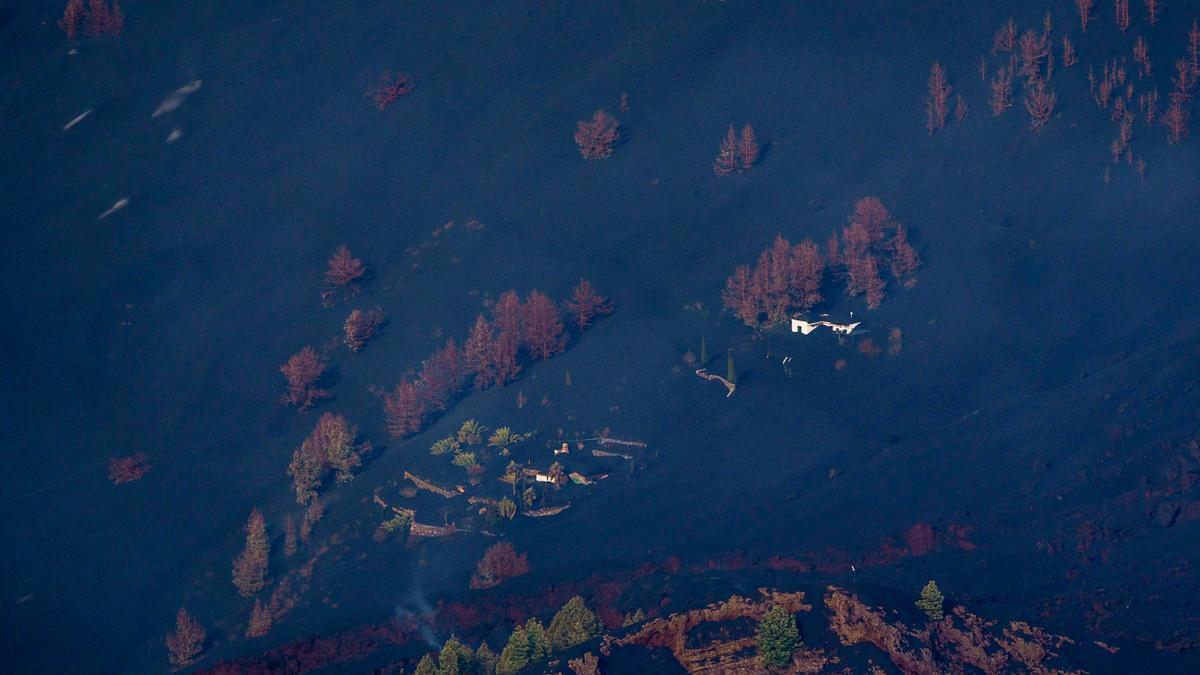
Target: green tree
703	352
636	616
931	601
455	659
515	654
427	666
539	646
573	624
730	368
486	658
778	637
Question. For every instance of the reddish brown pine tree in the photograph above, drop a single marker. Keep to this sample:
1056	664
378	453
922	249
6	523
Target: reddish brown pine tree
859	271
1001	88
250	568
499	562
1184	81
344	270
1121	11
1152	12
1005	38
441	376
404	410
129	468
114	23
833	250
290	537
97	17
1039	102
1194	50
904	258
585	304
856	242
504	357
542	327
104	20
873	215
312	516
1069	58
1141	55
506	313
72	15
597	137
260	620
747	149
872	283
726	161
773	274
302	371
937	105
477	353
1176	120
186	643
1085	12
739	297
806	270
361	326
390	89
1034	49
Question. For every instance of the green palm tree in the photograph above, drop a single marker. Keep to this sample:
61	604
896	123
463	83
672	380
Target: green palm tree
466	460
444	446
503	438
471	433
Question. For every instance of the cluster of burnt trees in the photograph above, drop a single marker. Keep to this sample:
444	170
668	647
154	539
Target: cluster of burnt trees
791	278
97	18
129	468
1126	92
332	446
492	354
187	641
304	369
597	136
1030	57
390	89
501	561
736	153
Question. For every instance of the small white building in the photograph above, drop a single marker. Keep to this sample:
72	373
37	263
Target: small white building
806	327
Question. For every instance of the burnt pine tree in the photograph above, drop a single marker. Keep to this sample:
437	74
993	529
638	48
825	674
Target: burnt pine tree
250	568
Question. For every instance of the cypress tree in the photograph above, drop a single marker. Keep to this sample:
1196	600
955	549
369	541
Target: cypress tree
486	658
931	601
573	624
455	658
515	654
539	647
730	368
703	351
778	637
427	666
